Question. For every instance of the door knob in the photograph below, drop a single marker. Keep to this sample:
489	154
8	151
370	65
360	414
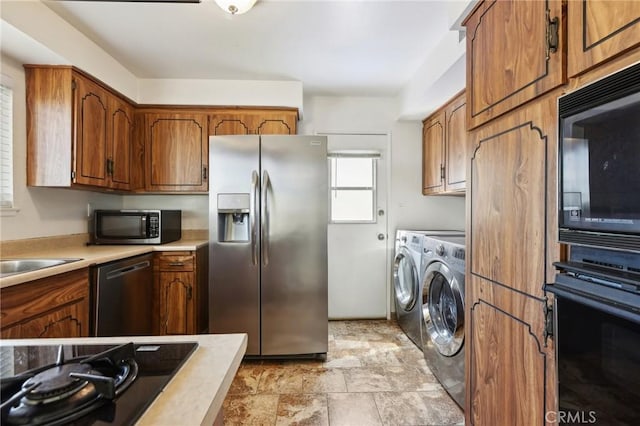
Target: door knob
381	237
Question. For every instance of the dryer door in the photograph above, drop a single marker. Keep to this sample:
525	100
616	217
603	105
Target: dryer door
443	309
405	279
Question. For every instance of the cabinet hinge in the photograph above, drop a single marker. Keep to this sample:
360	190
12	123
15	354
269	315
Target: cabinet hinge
204	172
73	175
548	323
552	34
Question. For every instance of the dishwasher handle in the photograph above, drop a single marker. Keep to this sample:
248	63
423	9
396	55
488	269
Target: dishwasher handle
128	270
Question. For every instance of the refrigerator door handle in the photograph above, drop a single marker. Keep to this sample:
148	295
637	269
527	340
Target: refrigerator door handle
264	217
252	216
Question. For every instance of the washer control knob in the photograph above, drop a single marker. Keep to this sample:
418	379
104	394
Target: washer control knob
440	250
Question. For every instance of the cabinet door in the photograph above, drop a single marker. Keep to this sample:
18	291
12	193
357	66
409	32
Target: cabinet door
456	145
50	104
90	161
176	152
511	241
599	30
432	154
121	133
63	322
230	124
56	306
280	123
509	58
176	303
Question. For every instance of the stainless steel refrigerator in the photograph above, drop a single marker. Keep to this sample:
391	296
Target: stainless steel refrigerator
268	213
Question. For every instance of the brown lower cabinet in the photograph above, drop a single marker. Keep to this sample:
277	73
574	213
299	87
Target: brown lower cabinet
180	292
511	214
56	306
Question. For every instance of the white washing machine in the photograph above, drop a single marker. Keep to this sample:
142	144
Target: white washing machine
442	306
407	267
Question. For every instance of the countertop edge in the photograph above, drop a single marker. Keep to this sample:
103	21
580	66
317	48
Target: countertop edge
92	255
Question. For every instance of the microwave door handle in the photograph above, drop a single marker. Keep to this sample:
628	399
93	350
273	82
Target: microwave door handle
143	226
253	203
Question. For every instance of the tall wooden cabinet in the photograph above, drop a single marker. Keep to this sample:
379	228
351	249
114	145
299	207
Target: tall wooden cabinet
599	30
57	306
176	151
512	187
78	132
511	214
444	140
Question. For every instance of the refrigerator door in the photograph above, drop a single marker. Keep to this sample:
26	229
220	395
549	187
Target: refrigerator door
234	264
294	245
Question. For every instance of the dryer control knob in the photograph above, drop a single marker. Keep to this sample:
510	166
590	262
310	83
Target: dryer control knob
440	250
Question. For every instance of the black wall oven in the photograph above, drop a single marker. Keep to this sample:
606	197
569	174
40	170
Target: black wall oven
597	332
597	290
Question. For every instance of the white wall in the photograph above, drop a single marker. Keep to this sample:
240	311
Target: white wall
220	92
407	207
41	211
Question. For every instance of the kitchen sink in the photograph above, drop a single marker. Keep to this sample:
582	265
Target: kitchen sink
18	266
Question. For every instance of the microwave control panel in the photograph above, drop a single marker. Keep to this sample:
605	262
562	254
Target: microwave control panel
154	226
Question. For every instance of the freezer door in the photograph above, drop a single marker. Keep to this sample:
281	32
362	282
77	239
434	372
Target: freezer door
294	245
234	266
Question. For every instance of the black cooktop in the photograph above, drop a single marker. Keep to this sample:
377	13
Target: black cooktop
85	384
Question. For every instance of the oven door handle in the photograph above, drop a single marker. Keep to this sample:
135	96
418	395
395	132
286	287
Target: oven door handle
603	305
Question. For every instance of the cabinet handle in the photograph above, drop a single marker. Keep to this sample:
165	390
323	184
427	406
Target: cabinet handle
441	172
204	172
176	263
189	293
552	34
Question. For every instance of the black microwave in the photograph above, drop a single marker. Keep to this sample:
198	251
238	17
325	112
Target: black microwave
136	226
599	163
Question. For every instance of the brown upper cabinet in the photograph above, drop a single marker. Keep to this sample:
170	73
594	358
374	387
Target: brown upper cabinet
514	54
254	122
83	134
444	140
599	30
78	132
176	152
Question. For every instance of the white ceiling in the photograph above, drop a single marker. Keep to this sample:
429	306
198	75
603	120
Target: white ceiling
366	47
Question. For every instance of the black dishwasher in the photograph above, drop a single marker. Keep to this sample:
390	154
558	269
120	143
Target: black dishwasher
123	294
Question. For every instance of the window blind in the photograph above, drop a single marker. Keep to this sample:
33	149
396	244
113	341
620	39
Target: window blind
6	147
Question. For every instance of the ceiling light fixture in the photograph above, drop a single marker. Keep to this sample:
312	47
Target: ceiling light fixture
236	7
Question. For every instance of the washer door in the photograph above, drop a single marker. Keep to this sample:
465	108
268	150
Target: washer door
405	279
443	309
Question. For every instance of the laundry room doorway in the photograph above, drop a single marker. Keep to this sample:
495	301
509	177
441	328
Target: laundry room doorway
358	225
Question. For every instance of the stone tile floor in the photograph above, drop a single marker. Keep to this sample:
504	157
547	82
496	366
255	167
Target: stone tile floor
373	375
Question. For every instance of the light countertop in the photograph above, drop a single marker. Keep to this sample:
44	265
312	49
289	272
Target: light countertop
195	394
89	255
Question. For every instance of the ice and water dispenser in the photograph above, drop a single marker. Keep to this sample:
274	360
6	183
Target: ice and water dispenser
233	217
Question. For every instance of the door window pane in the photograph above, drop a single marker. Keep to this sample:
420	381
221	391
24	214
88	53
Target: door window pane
353	188
354	172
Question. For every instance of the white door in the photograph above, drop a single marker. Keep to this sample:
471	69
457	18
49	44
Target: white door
357	232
